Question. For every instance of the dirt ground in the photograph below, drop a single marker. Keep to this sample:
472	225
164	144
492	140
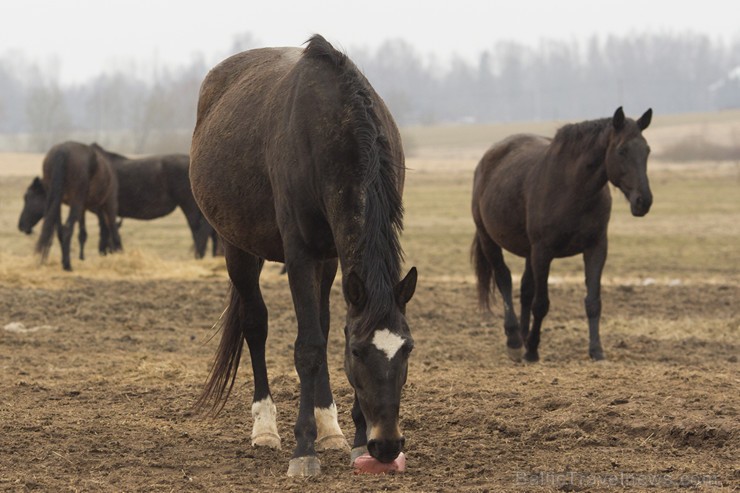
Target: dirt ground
99	368
97	393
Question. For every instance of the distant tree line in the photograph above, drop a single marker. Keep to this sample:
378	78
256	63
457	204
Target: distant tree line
562	80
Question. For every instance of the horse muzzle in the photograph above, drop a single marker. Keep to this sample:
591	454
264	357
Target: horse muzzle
385	451
640	203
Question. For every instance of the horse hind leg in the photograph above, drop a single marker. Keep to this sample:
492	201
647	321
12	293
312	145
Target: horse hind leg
200	230
329	434
540	302
502	277
66	234
249	310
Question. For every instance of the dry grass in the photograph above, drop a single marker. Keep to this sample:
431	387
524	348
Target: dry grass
690	235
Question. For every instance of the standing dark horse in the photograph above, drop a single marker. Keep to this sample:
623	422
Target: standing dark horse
151	187
73	174
543	199
296	159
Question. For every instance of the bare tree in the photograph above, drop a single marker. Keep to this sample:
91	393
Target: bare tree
47	115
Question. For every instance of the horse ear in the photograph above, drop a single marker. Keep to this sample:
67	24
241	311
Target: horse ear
645	119
618	120
404	290
36	184
355	291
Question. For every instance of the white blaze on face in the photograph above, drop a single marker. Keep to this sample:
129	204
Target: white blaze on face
388	342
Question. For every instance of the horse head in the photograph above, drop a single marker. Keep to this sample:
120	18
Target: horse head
626	160
376	363
34	204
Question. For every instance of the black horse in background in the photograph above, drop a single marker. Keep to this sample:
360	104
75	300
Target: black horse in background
72	174
296	159
542	199
152	187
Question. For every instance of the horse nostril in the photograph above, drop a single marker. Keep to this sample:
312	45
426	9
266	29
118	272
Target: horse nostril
385	451
372	448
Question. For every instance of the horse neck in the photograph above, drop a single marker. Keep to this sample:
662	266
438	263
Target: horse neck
587	171
367	223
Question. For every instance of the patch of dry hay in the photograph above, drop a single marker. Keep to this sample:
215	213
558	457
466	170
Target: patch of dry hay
27	271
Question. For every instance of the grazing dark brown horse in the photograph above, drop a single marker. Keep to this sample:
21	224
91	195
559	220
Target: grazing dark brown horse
152	187
542	199
296	159
72	174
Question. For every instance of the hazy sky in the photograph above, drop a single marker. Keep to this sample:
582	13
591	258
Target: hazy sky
86	37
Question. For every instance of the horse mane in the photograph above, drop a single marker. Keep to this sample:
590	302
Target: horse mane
318	47
577	138
379	243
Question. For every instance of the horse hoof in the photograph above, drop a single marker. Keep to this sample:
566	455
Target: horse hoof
597	355
332	442
355	453
531	357
266	440
515	354
302	467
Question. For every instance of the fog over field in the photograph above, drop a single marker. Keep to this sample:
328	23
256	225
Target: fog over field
133	86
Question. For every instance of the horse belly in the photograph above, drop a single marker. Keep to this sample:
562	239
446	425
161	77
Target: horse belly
504	218
145	203
240	208
508	234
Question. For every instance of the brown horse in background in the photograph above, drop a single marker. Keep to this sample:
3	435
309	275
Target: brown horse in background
542	199
73	174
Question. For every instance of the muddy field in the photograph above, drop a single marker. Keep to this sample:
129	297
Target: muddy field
99	368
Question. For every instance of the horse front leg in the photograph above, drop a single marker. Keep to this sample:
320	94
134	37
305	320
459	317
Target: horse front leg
541	260
359	445
304	277
594	259
329	434
82	236
526	294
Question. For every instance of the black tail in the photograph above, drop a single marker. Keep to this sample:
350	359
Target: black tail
53	210
223	372
483	272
